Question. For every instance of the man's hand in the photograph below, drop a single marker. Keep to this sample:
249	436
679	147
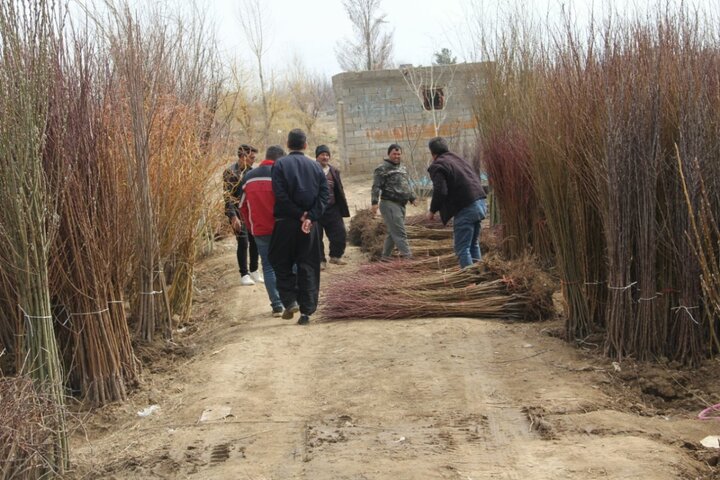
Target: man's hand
236	224
374	209
306	226
430	216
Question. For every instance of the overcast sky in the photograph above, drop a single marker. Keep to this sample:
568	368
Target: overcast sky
311	29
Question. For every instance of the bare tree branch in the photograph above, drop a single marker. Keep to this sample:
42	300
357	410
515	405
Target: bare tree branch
253	22
371	48
310	93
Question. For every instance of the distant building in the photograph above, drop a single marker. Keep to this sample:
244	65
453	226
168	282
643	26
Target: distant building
407	106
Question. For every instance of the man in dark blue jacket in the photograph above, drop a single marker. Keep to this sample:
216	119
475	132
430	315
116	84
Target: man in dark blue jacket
301	195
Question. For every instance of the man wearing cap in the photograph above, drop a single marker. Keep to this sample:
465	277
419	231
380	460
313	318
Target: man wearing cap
331	221
392	191
301	195
232	178
457	194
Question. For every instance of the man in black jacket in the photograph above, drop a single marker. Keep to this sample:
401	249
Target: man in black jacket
232	179
331	221
457	194
301	195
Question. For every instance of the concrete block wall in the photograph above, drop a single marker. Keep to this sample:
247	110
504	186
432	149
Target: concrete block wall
377	108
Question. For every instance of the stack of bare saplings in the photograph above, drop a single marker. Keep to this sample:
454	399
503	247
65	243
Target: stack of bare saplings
432	285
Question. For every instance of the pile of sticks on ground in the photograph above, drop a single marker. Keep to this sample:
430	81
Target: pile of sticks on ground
437	287
28	430
426	238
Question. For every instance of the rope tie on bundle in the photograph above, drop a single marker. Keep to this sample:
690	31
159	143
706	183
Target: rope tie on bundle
687	310
627	287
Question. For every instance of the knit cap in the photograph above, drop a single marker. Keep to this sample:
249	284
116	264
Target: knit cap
322	149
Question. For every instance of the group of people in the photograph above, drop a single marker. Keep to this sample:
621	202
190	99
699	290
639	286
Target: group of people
457	194
281	210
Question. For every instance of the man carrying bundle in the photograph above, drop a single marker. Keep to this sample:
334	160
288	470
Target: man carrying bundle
457	194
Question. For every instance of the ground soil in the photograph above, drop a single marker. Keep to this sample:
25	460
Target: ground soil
447	398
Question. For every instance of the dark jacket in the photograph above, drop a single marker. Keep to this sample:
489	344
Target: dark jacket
232	191
391	182
300	186
455	185
339	191
258	201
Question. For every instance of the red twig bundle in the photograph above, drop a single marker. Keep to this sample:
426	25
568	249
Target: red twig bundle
420	289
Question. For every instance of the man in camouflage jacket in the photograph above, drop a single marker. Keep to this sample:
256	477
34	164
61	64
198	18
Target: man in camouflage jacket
391	189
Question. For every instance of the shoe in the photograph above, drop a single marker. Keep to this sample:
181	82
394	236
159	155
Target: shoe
323	265
246	281
290	312
337	261
304	319
257	276
277	312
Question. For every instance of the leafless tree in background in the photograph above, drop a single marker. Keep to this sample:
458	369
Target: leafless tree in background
433	88
241	103
253	23
310	93
371	48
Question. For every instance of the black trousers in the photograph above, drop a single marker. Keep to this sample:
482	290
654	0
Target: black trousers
289	247
245	240
331	223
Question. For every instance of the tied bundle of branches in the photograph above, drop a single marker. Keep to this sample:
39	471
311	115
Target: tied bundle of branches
506	157
413	289
368	231
427	238
30	424
689	174
424	247
141	60
419	227
166	97
612	121
27	201
180	170
185	158
95	335
421	220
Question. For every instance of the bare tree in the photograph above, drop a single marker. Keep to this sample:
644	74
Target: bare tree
253	23
310	93
371	48
240	103
433	87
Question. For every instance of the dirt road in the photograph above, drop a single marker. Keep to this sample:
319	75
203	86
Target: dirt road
419	399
